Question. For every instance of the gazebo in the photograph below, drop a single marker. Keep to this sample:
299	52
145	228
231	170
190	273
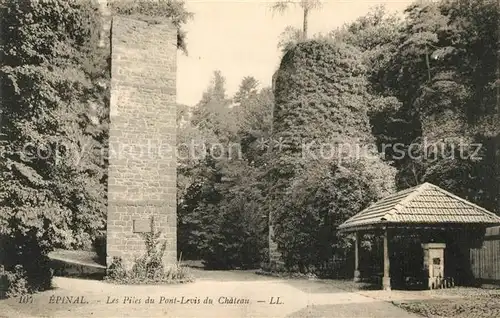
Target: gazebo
436	218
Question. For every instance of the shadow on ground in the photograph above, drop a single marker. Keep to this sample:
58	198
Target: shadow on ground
330	285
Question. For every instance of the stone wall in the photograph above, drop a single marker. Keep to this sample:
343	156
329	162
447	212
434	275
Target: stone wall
142	136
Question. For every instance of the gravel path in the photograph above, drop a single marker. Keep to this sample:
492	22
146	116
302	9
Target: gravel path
251	296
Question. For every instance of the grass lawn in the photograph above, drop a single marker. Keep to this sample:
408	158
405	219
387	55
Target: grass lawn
475	302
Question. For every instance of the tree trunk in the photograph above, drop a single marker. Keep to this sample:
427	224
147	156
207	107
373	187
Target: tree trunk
305	26
427	62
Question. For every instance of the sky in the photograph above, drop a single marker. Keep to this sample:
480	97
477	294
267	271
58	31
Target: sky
240	38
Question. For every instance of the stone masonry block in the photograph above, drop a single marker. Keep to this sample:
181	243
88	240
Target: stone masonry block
142	174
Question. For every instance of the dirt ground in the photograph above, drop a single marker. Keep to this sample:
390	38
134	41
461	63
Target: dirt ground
213	294
469	302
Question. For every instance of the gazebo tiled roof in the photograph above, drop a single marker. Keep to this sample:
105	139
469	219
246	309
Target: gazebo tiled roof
423	204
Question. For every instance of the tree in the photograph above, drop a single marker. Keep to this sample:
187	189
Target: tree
318	201
377	36
454	94
289	37
435	87
254	119
252	113
306	5
183	115
52	192
219	195
211	114
247	89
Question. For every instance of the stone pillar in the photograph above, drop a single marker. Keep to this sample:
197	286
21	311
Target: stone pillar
142	137
386	280
275	260
357	275
434	264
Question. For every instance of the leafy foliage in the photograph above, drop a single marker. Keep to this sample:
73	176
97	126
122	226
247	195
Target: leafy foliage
403	82
320	93
116	270
150	265
15	282
99	246
438	71
219	217
321	97
54	87
306	6
320	199
224	205
172	9
289	37
149	268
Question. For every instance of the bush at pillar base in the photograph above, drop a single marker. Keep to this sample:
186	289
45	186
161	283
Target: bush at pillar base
149	268
145	272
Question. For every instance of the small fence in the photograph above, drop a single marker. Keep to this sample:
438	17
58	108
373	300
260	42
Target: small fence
485	261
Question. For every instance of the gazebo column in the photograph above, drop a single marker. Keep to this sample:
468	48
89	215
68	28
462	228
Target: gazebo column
386	280
357	274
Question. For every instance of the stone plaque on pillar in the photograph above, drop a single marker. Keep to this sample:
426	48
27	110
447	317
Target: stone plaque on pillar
141	226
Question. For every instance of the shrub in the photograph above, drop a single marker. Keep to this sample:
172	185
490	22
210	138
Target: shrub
116	271
265	267
149	268
178	272
233	231
323	197
16	282
28	255
47	202
144	273
99	246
